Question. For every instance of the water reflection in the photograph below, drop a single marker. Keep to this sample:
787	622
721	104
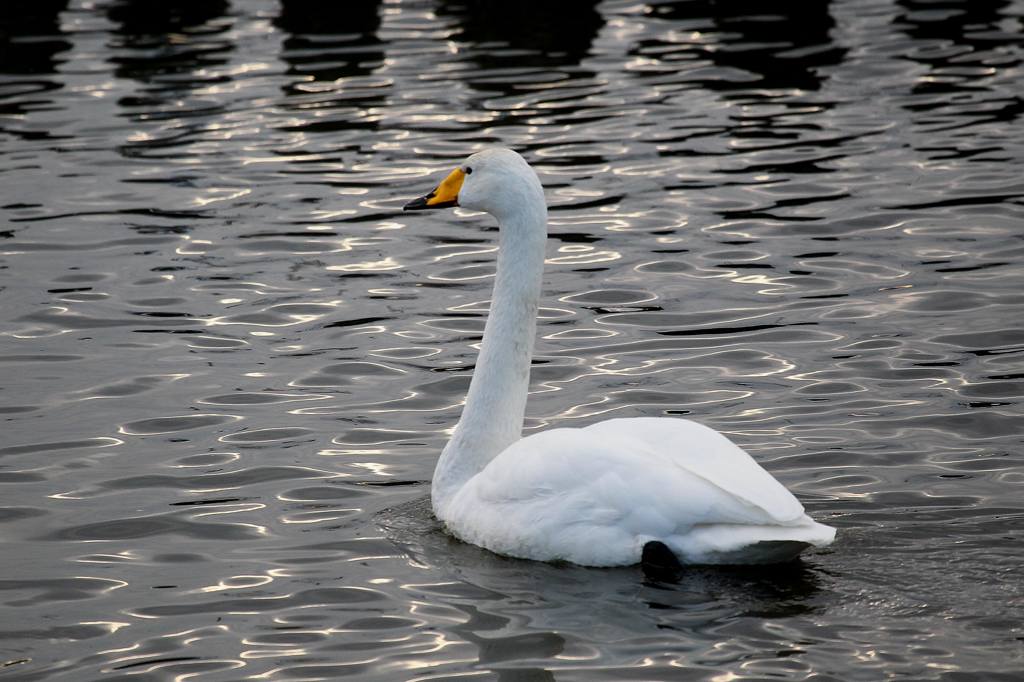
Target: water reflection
537	33
779	591
30	40
502	40
969	54
487	631
326	42
778	44
164	44
957	39
517	613
963	22
225	351
30	36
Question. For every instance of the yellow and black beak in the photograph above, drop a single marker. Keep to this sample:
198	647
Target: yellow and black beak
446	194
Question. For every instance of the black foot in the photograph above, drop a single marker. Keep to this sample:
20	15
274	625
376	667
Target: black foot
659	563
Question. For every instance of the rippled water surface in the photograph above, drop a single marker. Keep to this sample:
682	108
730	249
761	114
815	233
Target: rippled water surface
229	361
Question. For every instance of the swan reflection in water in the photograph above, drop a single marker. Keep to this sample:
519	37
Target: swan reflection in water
561	596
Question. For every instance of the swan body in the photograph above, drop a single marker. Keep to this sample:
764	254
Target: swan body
596	495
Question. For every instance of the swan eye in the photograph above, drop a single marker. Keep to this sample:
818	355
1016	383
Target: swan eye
469	170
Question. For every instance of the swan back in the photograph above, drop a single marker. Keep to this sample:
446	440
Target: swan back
707	454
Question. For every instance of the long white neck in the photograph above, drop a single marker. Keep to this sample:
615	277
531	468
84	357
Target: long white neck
492	418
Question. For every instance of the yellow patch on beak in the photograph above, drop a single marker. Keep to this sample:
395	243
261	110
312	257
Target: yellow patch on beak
446	194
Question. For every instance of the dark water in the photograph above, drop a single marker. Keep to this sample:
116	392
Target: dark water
229	361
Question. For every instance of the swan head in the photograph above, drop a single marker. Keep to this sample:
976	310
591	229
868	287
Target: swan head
496	181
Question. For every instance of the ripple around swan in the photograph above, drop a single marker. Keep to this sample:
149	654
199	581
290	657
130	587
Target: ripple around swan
229	360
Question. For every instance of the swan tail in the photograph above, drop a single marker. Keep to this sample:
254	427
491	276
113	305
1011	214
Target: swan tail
740	544
764	552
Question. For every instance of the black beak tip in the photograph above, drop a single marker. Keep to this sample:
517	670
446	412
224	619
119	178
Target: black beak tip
421	203
416	204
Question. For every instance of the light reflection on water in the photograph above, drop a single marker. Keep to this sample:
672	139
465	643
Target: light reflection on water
230	361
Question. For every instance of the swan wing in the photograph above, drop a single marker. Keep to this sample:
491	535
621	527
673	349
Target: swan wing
704	452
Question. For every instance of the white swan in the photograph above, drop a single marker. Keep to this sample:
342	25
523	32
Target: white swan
595	496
